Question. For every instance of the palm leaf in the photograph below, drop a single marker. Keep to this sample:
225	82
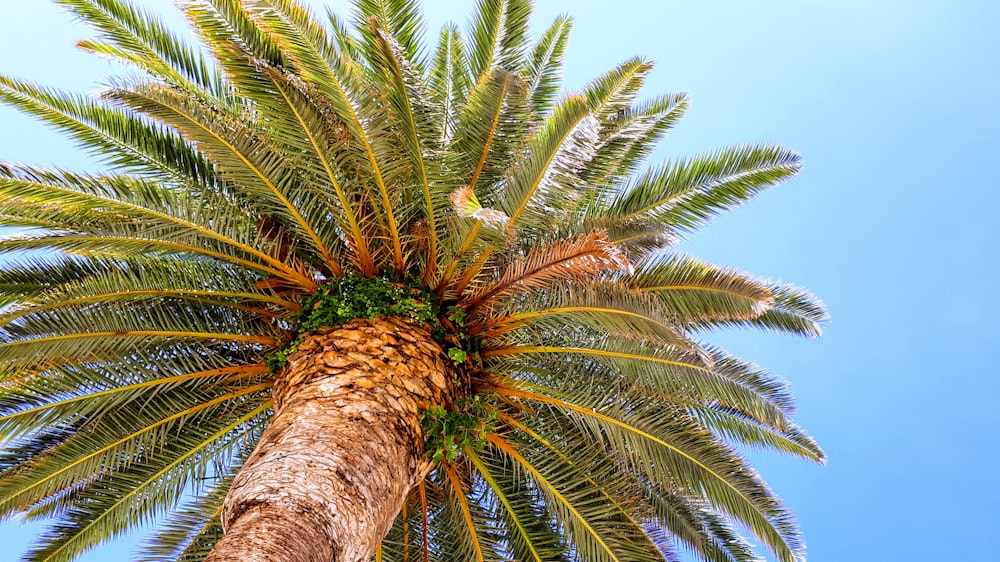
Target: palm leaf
242	155
686	193
692	460
449	80
548	175
334	74
544	70
413	119
121	140
794	311
497	35
153	486
141	39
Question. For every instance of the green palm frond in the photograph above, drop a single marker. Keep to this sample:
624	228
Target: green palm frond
401	20
586	523
632	134
687	193
336	76
244	156
449	79
497	36
693	291
127	199
619	495
606	307
119	139
412	115
192	530
136	37
490	133
613	93
141	279
544	69
158	483
681	377
697	527
546	178
124	242
794	311
119	442
79	395
28	277
528	526
674	446
469	542
491	130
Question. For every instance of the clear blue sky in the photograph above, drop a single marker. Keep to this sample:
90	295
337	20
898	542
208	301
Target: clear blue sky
895	105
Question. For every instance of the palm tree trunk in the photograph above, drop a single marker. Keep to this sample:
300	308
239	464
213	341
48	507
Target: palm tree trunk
344	448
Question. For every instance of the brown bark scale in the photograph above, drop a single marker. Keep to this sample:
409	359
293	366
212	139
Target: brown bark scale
343	449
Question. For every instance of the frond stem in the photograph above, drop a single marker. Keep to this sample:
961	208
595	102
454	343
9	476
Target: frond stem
456	483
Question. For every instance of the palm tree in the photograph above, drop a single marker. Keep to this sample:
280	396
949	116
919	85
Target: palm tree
345	298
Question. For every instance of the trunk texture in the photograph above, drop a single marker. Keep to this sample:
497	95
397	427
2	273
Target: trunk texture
344	448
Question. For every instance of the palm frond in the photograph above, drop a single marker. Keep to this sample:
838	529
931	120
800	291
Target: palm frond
567	504
144	279
191	532
121	140
103	332
613	93
586	256
129	199
685	194
546	179
491	133
134	496
449	80
530	533
794	311
497	36
109	446
458	492
294	120
243	155
691	290
631	135
413	117
125	242
626	512
399	20
696	526
136	37
543	72
69	396
333	73
603	307
692	459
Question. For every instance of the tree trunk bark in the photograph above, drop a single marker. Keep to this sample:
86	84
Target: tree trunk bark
343	450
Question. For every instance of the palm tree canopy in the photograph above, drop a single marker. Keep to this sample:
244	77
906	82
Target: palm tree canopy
289	161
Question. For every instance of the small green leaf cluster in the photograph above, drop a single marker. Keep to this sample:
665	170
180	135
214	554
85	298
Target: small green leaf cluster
456	315
279	357
346	298
449	432
457	355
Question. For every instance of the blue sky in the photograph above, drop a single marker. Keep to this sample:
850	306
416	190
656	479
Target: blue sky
894	106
